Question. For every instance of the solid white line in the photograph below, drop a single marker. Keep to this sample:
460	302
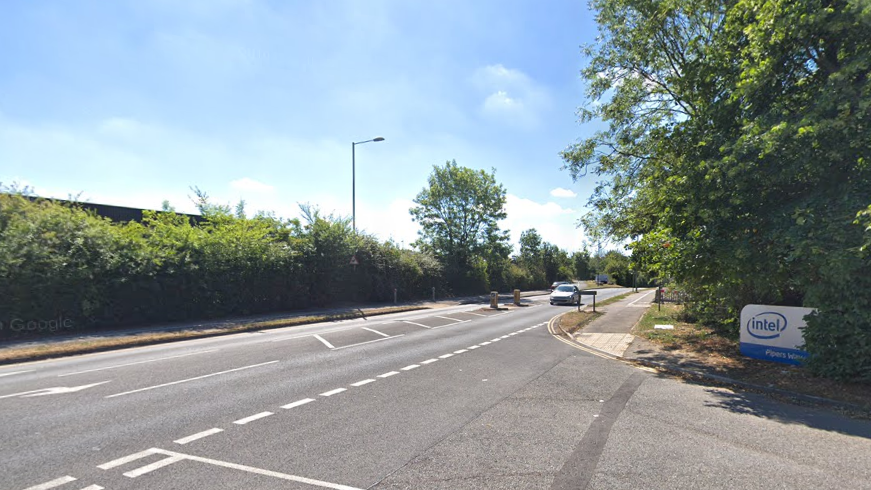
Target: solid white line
471	313
153	466
16	372
461	351
126	459
368	342
387	375
334	392
409	368
198	435
258	471
134	363
429	361
364	382
54	483
329	345
297	403
446	356
418	324
376	331
190	379
252	418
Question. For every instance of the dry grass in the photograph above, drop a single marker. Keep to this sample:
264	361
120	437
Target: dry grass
575	320
74	347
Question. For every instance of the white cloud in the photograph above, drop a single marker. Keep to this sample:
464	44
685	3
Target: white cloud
560	192
248	184
512	96
555	224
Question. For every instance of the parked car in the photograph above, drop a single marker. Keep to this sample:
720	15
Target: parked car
558	283
565	294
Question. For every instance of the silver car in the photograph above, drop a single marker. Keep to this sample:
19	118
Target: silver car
565	294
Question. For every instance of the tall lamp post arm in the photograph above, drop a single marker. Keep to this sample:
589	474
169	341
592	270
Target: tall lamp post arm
354	179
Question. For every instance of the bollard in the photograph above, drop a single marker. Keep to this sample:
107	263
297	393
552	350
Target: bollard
494	299
433	293
517	297
394	295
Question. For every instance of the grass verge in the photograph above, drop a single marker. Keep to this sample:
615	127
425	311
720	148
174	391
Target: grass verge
575	320
87	346
700	348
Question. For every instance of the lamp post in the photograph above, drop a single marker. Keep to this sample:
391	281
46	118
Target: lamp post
354	179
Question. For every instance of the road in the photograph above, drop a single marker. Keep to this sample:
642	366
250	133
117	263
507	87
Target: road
461	397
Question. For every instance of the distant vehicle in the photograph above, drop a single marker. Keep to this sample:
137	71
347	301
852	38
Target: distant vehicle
558	283
601	278
565	294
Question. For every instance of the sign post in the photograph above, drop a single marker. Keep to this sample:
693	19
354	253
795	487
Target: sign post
774	333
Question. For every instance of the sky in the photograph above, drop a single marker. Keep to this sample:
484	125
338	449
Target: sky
135	102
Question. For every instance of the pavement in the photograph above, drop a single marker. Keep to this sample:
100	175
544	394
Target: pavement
610	332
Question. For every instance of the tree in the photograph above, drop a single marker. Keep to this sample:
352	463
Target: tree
458	213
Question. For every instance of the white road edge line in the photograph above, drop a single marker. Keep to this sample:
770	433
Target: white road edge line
252	418
297	403
190	379
368	342
17	372
362	383
334	392
135	363
642	297
429	361
198	435
409	368
51	484
376	331
418	324
387	375
324	341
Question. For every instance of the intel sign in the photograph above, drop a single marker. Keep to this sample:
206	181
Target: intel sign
773	333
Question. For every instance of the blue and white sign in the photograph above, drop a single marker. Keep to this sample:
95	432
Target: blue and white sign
774	333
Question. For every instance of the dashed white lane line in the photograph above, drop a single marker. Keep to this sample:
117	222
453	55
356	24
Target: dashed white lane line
409	368
376	331
461	351
364	382
17	372
93	487
252	418
51	484
387	375
154	466
495	340
482	344
429	361
418	324
324	341
126	459
190	379
137	362
297	403
334	392
445	356
198	435
473	347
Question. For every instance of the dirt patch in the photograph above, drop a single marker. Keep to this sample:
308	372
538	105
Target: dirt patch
575	320
702	349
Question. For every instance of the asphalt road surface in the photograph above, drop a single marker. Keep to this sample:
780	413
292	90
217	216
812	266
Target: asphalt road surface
461	397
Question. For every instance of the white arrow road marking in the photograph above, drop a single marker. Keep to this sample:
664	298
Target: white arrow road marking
53	391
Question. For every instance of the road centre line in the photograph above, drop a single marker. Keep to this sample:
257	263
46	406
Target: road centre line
51	484
154	466
429	361
329	345
409	368
473	347
446	356
368	342
198	435
376	331
495	340
334	392
135	363
461	351
190	379
418	324
364	382
18	372
485	343
387	375
252	418
297	403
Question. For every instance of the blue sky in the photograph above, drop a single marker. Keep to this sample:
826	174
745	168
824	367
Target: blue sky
134	102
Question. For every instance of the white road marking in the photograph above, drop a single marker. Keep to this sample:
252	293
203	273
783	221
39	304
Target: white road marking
452	319
409	368
368	342
252	418
52	391
198	435
93	487
334	392
504	336
364	382
329	345
297	403
429	361
387	375
642	297
154	466
17	372
473	347
135	363
126	459
446	356
191	379
51	484
484	343
471	313
461	351
376	331
495	340
418	324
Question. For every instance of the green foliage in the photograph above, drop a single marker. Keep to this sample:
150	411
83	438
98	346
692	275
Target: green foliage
735	157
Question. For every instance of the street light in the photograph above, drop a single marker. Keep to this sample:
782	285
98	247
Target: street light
354	179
